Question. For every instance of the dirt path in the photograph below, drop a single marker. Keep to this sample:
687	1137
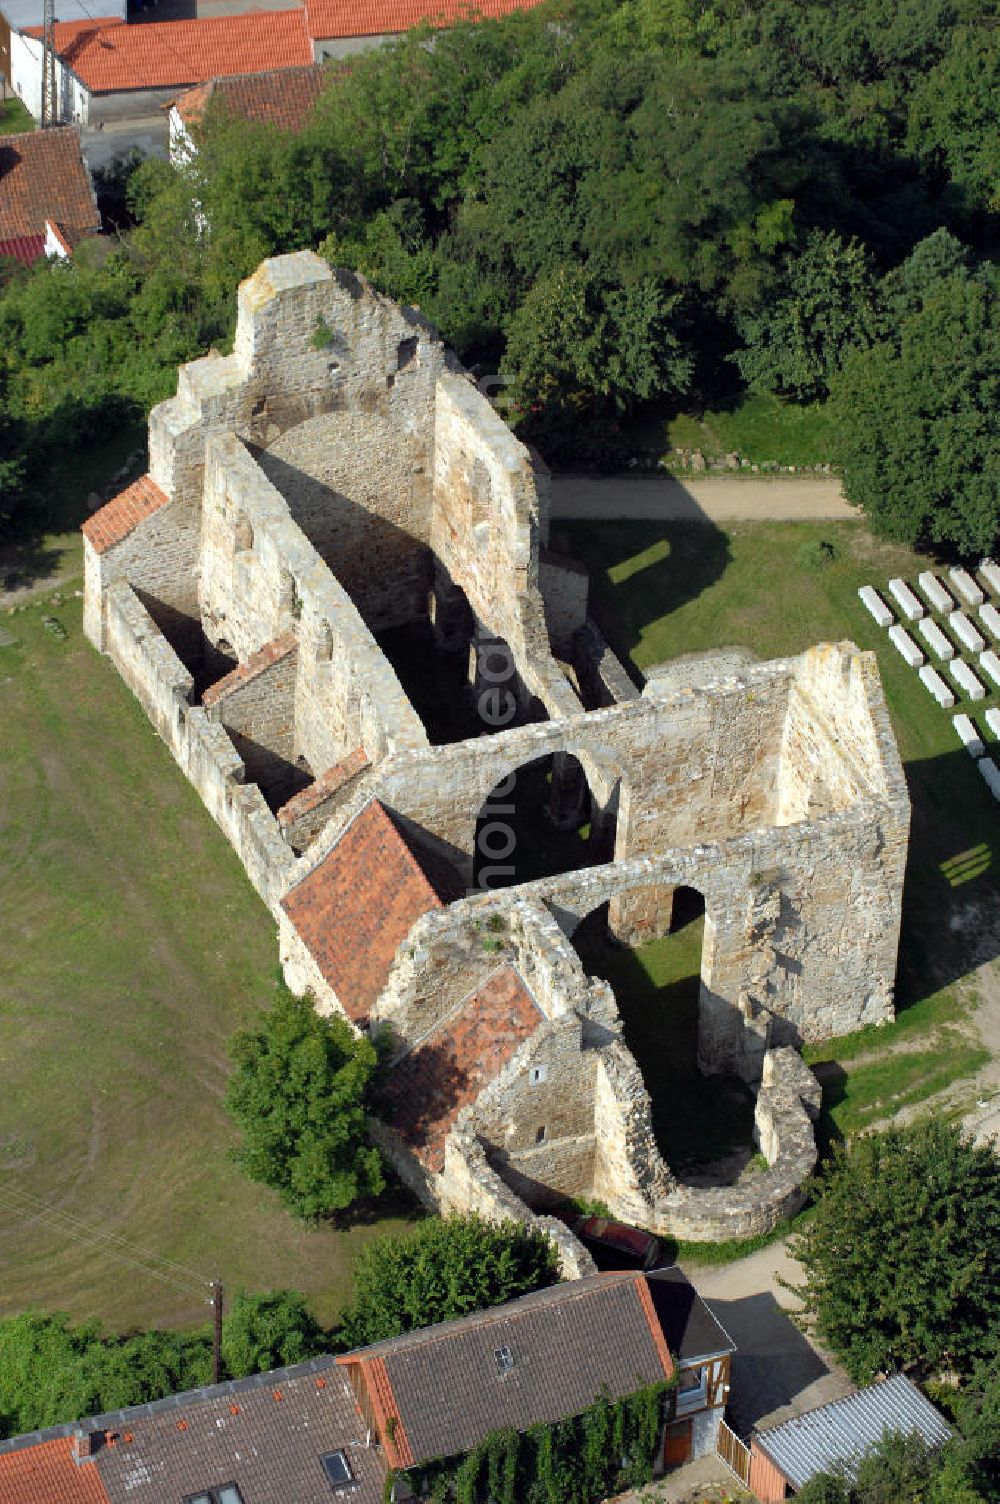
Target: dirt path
717	498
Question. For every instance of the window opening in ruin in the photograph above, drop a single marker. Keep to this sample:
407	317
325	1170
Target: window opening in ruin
536	823
540	1135
324	651
650	947
406	352
242	535
504	1359
538	1074
435	680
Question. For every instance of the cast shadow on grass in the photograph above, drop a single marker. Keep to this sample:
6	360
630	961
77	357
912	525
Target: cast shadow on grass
640	571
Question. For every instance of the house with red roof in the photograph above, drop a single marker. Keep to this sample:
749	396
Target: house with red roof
333	1428
47	203
282	97
110	70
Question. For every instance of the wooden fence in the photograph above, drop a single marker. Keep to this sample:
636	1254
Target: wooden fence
734	1453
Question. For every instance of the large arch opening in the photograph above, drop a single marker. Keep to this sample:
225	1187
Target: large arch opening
539	821
703	1124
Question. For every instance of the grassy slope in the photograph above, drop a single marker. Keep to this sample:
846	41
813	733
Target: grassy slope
14	117
666	589
133	946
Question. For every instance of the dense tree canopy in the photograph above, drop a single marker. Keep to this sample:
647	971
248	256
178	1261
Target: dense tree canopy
298	1093
444	1268
899	1258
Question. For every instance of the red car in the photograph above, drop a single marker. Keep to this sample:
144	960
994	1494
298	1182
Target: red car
640	1249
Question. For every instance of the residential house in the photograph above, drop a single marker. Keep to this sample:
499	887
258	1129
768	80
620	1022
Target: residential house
784	1458
333	1427
284	98
47	202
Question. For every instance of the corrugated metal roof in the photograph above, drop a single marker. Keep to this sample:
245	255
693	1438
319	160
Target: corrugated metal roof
846	1430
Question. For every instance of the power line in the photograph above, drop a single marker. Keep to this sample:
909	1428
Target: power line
136	1257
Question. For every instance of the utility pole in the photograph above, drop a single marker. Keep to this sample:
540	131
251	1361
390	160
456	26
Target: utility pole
217	1331
49	102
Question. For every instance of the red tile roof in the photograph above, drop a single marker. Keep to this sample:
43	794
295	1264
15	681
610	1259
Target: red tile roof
398	1451
326	19
110	57
284	98
266	657
122	513
449	1068
43	176
48	1474
324	787
353	910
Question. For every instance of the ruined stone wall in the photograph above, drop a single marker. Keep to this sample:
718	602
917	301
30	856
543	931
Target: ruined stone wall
261	577
565	585
256	704
159	560
309	340
202	748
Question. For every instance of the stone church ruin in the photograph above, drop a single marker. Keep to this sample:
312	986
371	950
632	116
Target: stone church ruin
334	597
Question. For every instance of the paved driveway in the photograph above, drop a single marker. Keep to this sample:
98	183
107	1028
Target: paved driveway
716	498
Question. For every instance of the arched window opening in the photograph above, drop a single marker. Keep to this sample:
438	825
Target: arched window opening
535	823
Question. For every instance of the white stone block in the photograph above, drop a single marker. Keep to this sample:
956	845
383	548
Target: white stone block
966	632
990	572
990	618
993	721
990	665
966	680
901	639
934	592
991	775
935	639
965	586
941	691
907	602
875	606
968	735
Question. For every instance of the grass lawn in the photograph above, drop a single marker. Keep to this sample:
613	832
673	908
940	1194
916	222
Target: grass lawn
662	590
133	947
760	428
14	116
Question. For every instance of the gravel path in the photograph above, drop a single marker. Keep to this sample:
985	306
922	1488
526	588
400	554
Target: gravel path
717	498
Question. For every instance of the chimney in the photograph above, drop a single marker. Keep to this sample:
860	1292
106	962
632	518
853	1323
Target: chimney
86	1444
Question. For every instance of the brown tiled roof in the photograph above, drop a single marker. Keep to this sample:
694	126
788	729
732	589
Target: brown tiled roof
323	787
353	910
266	657
284	98
449	1068
123	512
43	176
48	1474
365	18
109	56
569	1344
391	1429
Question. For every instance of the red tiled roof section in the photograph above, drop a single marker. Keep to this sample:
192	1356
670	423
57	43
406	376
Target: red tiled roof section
448	1069
123	513
271	653
324	787
649	1311
284	98
48	1474
43	176
353	910
110	57
393	1433
366	18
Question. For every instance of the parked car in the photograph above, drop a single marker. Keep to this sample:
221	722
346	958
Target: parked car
611	1242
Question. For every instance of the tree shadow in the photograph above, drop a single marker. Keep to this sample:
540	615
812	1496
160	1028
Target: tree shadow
641	571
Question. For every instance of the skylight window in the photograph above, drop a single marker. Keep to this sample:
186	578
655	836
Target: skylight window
504	1360
226	1493
337	1468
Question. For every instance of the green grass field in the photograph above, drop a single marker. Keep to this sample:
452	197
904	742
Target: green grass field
661	590
133	946
14	117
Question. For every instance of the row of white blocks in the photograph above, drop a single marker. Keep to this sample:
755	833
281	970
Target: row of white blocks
966	632
940	645
935	592
933	681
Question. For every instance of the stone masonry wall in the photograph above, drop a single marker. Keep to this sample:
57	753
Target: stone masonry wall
159	560
256	704
202	748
